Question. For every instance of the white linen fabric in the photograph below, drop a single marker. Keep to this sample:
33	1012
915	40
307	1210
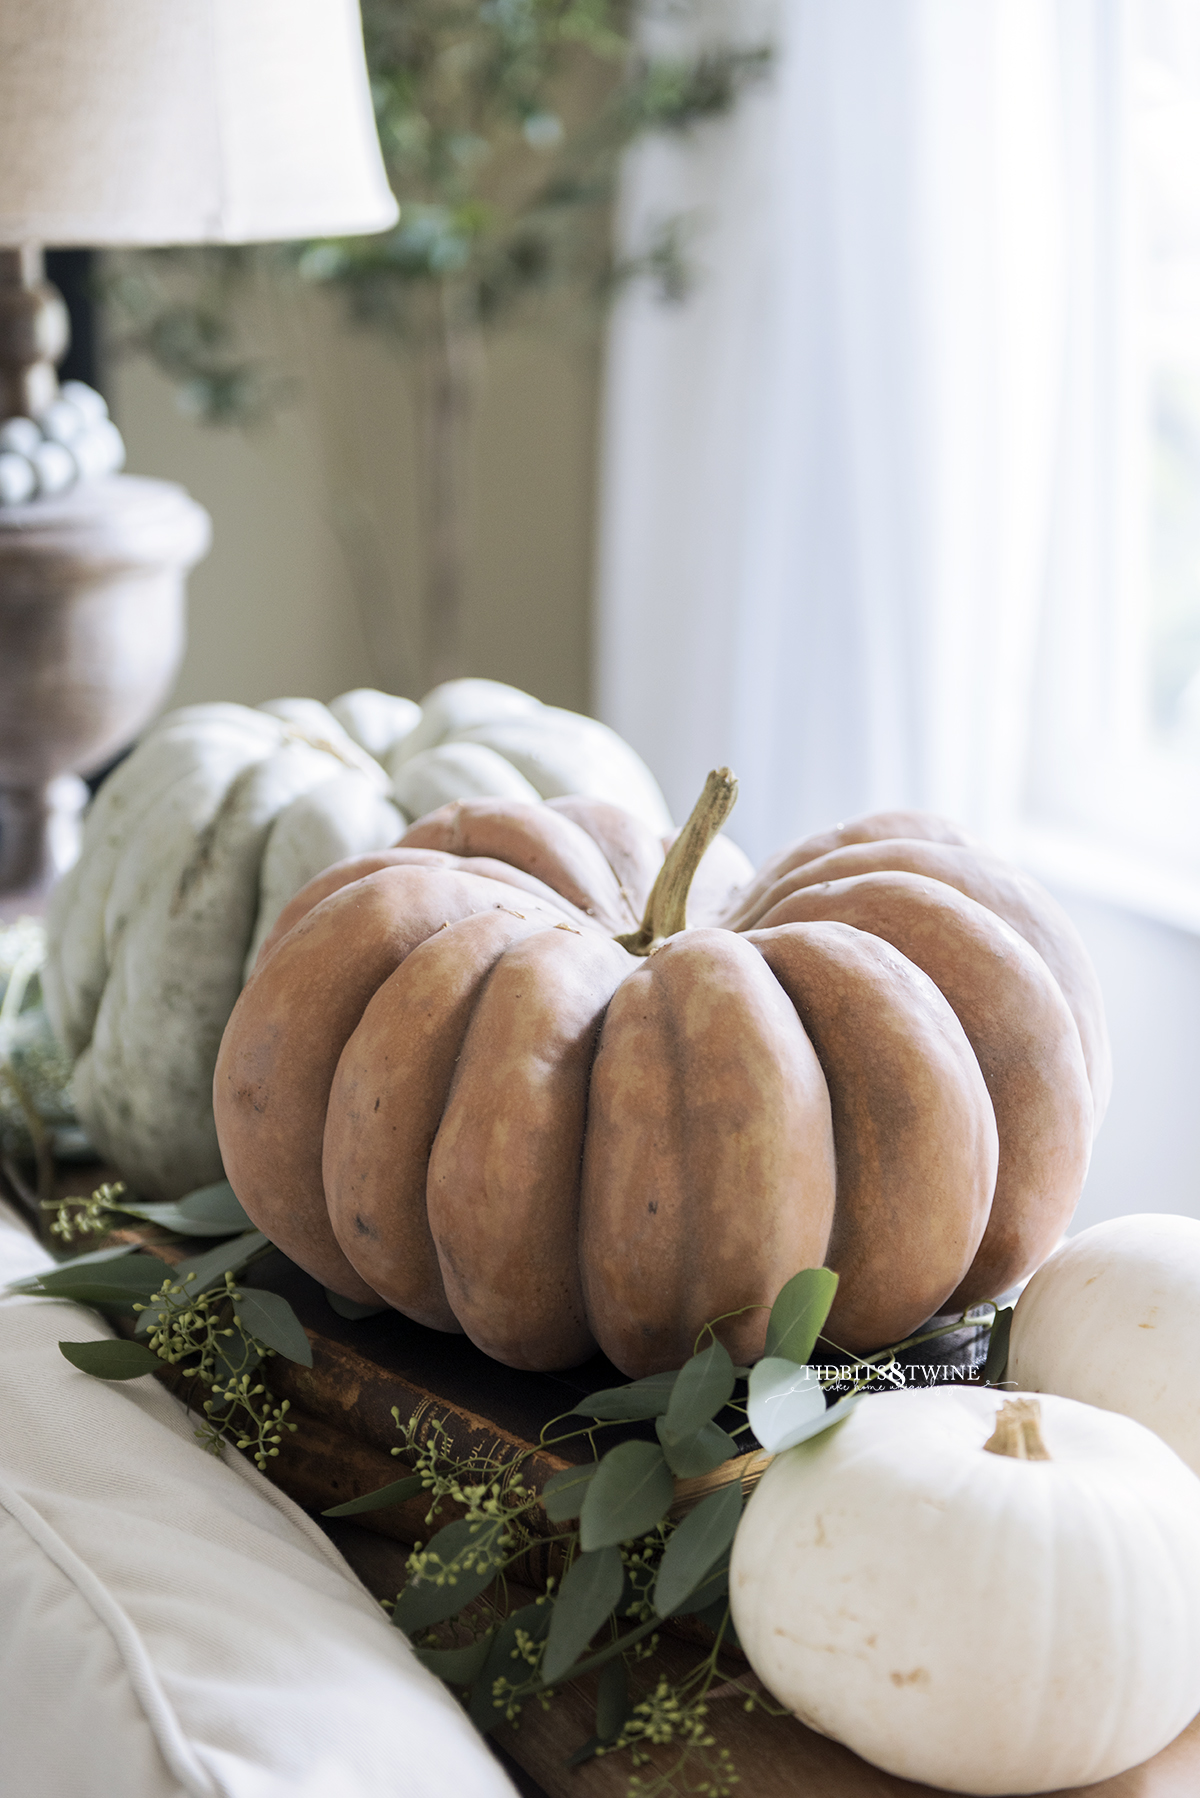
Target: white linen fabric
828	477
172	1624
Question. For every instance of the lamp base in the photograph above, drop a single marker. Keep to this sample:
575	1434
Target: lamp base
91	637
39	833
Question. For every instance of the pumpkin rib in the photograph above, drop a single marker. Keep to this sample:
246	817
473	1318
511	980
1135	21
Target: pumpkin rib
357	867
270	1103
1025	1040
1017	898
873	827
386	1101
541	842
632	850
504	1172
173	976
914	1130
340	817
708	1170
74	977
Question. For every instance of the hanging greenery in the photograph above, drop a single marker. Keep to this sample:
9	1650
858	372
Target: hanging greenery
503	124
37	1119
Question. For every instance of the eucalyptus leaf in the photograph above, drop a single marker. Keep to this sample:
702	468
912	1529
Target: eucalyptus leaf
381	1500
996	1365
783	1397
271	1320
111	1360
697	1544
714	1591
209	1211
456	1666
115	1252
350	1308
200	1273
128	1275
703	1386
589	1592
799	1313
697	1453
117	1282
533	1621
466	1569
649	1397
613	1703
564	1493
631	1491
782	1415
228	1258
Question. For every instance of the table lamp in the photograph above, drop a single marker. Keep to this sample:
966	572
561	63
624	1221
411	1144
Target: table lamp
122	123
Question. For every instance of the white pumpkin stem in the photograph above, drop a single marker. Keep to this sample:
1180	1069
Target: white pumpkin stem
666	908
1018	1431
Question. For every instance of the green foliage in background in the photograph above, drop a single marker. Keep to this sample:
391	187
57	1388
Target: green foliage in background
503	124
37	1120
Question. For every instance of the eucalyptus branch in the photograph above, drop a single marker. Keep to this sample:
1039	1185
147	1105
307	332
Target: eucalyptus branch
202	1334
965	1322
95	1215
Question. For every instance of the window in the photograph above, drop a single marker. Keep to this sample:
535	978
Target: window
1116	799
1166	148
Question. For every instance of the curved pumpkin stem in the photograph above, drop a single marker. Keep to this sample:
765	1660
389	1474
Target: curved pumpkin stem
666	908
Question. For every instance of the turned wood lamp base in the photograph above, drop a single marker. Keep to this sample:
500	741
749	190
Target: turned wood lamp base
91	606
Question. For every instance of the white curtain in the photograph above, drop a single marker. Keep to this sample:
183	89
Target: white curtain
828	477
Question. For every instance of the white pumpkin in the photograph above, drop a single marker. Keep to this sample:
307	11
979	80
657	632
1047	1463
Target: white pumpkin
982	1622
467	727
199	839
1113	1318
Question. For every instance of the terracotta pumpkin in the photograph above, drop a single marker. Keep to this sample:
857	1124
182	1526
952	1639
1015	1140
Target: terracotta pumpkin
466	1078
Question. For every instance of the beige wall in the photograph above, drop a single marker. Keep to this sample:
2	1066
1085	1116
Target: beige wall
313	580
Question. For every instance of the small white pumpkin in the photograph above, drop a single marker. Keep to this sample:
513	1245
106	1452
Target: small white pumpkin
984	1622
1113	1318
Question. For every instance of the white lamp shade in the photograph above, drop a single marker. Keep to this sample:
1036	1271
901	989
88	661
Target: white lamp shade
186	121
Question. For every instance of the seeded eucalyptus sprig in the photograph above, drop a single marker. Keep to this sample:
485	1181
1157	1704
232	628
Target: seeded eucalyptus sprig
210	1211
637	1549
195	1317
